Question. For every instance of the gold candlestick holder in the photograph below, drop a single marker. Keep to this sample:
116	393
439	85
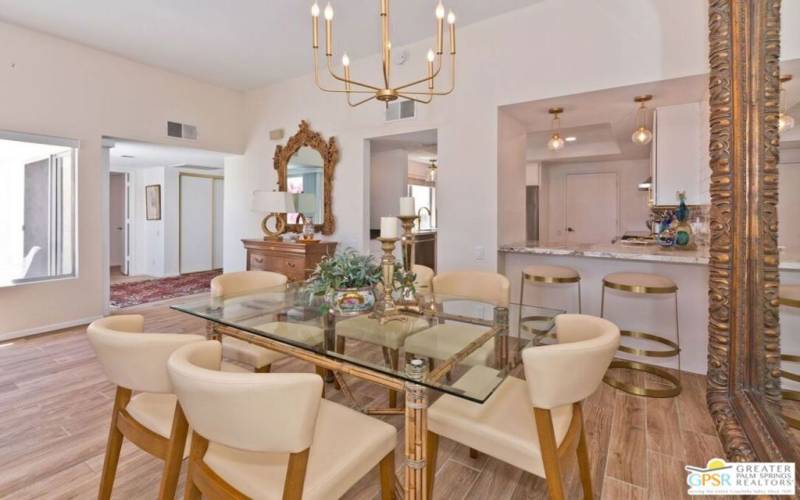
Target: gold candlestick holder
387	307
407	221
409	303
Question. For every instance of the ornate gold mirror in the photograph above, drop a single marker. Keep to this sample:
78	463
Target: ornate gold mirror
305	167
747	263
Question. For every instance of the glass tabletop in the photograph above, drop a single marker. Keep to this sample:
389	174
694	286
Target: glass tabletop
469	346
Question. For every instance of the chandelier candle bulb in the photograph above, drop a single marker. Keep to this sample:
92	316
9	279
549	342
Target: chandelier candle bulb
439	28
315	26
407	206
328	30
389	228
431	57
451	23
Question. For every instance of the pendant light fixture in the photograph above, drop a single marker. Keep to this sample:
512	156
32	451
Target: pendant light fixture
642	135
785	121
432	170
556	142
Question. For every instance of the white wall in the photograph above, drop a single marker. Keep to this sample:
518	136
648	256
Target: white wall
503	60
57	88
512	142
632	203
388	181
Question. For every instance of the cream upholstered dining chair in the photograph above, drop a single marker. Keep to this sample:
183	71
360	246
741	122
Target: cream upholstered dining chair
389	336
261	359
271	435
151	419
558	378
446	339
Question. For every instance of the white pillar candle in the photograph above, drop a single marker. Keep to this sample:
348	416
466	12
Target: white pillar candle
389	228
407	206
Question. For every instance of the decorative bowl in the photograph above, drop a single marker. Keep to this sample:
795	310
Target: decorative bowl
351	301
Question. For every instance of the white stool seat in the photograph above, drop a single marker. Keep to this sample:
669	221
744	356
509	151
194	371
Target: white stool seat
790	295
245	352
391	334
503	427
552	274
346	445
444	341
641	282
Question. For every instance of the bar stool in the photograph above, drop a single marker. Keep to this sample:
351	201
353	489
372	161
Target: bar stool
548	275
789	295
645	283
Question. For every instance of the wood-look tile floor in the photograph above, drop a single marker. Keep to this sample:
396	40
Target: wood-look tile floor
55	404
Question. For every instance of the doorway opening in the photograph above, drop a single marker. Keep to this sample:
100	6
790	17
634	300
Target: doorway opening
405	165
165	221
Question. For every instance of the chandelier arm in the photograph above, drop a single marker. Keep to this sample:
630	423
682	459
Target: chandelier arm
416	99
438	93
316	81
359	103
345	80
423	80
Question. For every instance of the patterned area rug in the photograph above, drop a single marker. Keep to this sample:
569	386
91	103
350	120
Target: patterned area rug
143	292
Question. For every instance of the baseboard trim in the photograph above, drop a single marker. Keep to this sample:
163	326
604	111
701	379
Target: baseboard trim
39	330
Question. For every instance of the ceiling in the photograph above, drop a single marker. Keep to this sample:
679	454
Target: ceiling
146	155
601	122
242	44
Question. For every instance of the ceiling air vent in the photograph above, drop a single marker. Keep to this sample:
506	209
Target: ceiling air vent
181	130
400	110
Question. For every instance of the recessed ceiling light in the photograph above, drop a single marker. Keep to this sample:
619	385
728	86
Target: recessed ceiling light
127	156
570	138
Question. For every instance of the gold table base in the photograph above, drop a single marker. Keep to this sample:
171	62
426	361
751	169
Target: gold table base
640	390
789	394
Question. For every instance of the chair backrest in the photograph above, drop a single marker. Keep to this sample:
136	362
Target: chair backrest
482	286
231	284
133	359
265	412
571	370
424	276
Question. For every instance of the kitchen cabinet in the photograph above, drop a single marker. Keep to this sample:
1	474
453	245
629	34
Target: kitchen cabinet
679	157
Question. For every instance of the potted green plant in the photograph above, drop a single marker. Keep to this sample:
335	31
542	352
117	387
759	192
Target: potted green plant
347	281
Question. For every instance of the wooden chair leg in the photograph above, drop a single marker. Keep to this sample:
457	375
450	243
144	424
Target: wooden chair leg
583	456
430	467
295	475
473	453
174	456
114	445
196	454
387	476
547	442
264	369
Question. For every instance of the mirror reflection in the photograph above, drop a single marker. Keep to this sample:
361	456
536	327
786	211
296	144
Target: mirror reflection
304	177
789	242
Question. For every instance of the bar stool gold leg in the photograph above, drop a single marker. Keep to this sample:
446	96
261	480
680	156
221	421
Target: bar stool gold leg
580	308
674	383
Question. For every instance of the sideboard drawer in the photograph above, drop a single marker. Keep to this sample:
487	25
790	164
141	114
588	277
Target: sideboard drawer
294	260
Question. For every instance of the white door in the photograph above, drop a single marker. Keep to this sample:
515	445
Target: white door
196	224
126	263
592	208
219	188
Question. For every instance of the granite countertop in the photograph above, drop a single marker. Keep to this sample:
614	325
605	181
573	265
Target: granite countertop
790	258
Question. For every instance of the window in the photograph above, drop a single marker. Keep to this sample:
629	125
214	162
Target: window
424	195
37	208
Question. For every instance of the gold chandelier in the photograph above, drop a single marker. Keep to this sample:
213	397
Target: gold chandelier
386	93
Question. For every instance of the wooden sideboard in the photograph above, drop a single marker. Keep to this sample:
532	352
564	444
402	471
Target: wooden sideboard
296	260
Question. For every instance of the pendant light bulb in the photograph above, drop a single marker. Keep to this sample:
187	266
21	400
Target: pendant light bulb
642	136
556	142
785	122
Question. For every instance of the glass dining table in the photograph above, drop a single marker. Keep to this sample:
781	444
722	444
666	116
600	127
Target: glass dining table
453	345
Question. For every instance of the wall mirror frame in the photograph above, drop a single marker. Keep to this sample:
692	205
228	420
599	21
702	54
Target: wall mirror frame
329	152
744	390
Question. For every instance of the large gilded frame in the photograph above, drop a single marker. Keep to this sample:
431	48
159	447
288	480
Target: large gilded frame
329	152
744	336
